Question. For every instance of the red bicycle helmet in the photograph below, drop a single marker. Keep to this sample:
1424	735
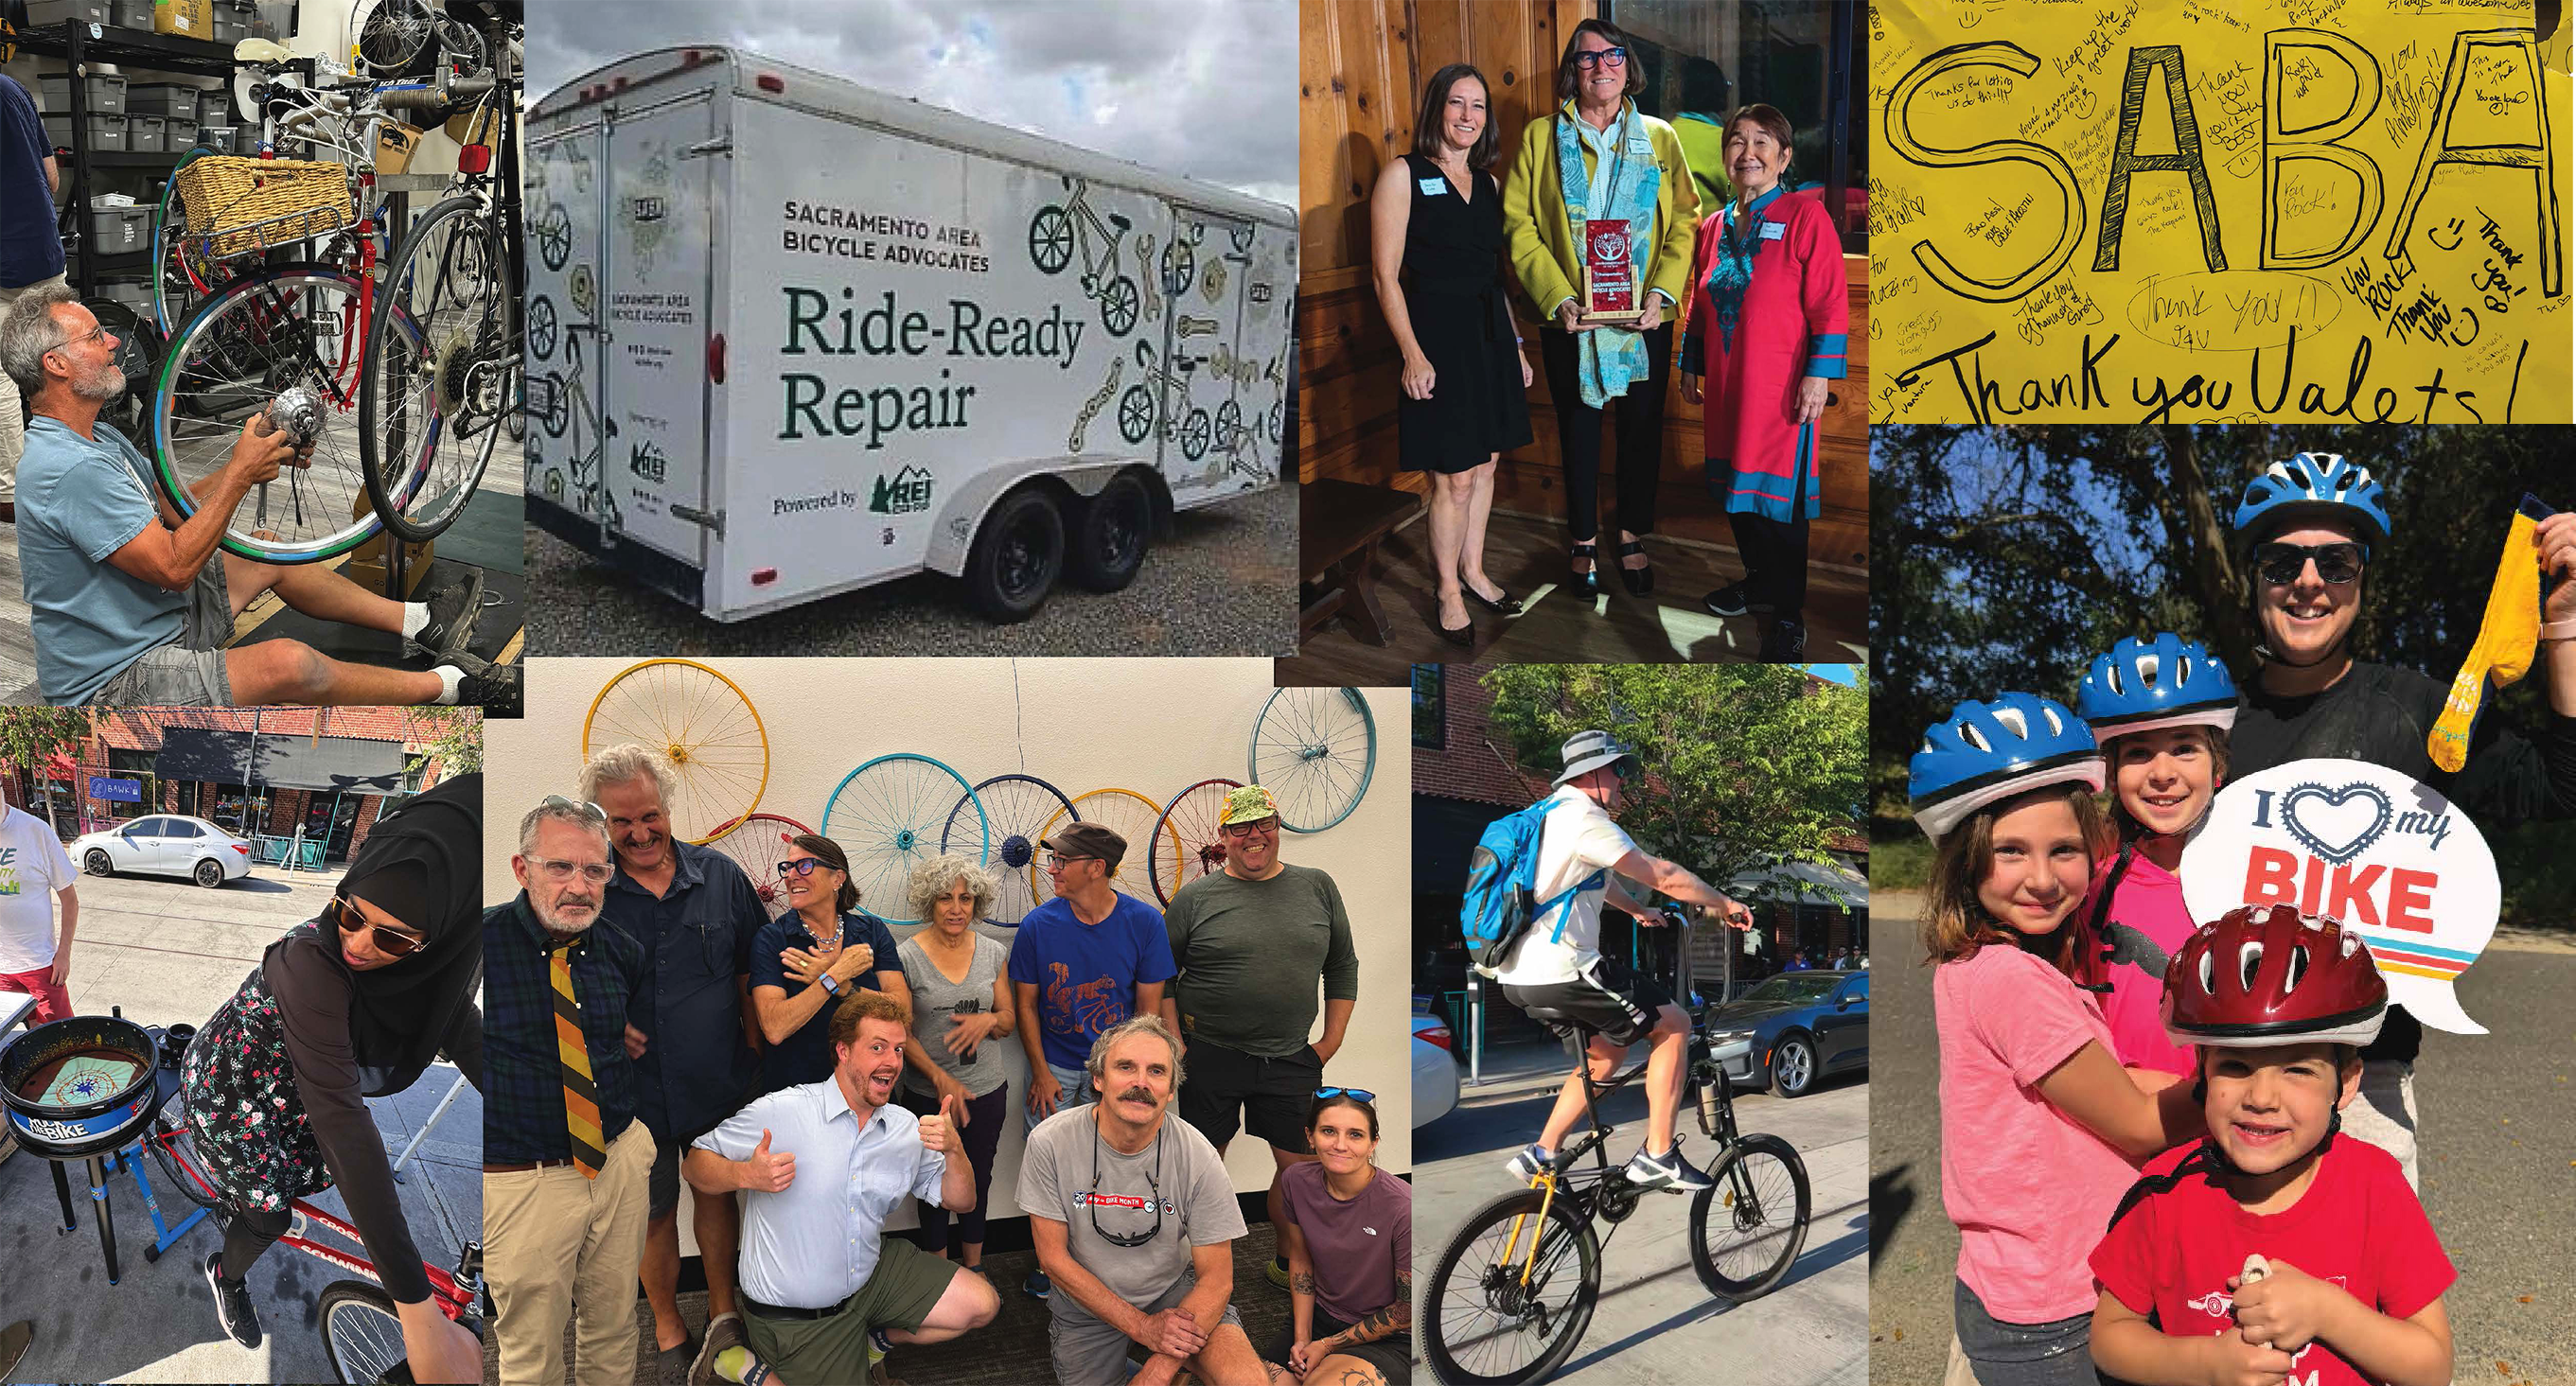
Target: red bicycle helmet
2268	975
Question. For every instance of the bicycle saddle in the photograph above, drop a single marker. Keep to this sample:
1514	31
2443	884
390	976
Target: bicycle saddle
255	50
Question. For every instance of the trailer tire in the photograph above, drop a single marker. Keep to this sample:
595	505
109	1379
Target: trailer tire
1112	534
1016	558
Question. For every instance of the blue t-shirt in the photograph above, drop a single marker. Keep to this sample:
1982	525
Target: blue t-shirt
30	246
79	500
1086	974
806	1056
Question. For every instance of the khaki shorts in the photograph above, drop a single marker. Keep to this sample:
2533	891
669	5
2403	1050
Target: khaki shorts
189	671
900	1293
1089	1351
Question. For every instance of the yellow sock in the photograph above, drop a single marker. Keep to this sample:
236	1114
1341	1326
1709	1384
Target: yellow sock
2503	653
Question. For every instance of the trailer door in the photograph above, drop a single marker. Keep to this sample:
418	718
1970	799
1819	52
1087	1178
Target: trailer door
657	291
1217	328
565	315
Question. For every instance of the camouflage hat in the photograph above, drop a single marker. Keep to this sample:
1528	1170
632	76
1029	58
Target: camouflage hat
1247	804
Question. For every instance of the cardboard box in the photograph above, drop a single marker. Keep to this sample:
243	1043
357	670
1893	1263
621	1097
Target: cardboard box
186	18
395	144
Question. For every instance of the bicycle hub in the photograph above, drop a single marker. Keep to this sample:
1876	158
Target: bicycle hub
298	412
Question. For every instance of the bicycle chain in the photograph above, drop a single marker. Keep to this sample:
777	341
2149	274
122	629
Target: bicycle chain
1092	407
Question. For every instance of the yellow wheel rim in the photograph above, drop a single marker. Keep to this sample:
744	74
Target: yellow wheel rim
1130	815
707	726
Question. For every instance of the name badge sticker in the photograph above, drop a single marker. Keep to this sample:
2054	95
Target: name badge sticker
1773	231
1433	187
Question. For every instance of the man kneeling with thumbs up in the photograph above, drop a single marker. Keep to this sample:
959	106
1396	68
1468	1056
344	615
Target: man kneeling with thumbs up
824	1164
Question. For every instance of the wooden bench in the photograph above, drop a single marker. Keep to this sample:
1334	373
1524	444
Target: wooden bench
1340	525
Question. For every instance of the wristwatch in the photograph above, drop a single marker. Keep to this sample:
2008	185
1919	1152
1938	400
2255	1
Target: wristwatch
831	985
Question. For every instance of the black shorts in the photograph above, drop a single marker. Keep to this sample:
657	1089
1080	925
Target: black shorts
1222	1088
1609	998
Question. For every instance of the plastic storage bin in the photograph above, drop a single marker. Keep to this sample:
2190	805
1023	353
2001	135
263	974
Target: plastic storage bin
161	99
119	230
178	135
43	12
104	94
106	134
144	134
133	14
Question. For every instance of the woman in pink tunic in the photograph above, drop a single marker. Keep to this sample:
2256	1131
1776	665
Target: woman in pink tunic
1765	329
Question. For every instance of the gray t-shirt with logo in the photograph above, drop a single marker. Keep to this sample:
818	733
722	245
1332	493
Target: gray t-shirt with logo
937	1003
1179	1169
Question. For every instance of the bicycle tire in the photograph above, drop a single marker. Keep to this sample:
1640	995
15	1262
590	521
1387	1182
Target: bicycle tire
177	1169
358	1321
180	356
395	505
1767	1274
1562	1233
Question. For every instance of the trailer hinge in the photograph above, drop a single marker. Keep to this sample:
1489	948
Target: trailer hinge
712	519
706	147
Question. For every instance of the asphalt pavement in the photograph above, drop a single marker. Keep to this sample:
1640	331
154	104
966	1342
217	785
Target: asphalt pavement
1223	583
168	952
1656	1323
2496	1136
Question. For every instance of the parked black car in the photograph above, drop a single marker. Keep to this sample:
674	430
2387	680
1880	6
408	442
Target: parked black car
1803	1025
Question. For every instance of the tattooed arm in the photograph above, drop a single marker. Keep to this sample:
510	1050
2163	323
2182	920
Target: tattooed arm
1385	1323
1301	1298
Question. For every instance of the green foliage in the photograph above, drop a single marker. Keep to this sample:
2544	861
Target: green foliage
31	736
458	746
1745	764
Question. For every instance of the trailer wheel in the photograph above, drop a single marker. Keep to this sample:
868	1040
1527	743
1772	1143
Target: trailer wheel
1016	557
1111	537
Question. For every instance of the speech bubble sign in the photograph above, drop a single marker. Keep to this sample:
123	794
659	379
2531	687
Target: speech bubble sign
2378	850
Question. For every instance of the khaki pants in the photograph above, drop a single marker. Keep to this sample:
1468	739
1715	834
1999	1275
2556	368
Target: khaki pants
557	1246
13	422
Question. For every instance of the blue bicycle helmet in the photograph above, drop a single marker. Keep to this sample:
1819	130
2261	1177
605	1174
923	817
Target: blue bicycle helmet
1984	752
2312	485
2143	685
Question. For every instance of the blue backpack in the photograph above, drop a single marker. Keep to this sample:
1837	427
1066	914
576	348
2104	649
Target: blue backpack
1502	888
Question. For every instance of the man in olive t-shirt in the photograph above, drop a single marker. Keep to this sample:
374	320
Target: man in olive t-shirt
1252	942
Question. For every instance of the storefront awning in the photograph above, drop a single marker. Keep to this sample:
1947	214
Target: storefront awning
1803	881
195	753
330	763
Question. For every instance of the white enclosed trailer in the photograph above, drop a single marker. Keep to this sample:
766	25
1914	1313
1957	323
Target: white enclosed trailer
788	336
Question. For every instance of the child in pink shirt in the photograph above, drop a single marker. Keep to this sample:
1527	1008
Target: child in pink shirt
2039	1123
2161	709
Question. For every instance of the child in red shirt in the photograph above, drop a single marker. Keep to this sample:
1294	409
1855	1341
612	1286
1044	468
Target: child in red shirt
2273	1252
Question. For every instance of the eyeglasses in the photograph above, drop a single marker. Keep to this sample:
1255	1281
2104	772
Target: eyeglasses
2281	564
802	866
1258	825
68	343
559	871
1153	1185
1605	57
1328	1094
593	812
1056	860
390	941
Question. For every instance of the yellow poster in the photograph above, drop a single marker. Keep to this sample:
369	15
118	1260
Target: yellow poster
2204	211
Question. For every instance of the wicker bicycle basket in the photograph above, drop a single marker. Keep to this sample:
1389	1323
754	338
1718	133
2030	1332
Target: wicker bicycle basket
239	206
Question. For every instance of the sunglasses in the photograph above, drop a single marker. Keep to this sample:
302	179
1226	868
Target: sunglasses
593	812
1261	825
1597	57
1154	1195
2281	564
390	941
802	866
1357	1094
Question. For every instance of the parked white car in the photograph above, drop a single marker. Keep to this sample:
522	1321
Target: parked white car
165	844
1435	1070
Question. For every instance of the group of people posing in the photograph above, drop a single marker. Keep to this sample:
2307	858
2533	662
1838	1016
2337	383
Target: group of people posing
2189	1145
810	1076
1756	285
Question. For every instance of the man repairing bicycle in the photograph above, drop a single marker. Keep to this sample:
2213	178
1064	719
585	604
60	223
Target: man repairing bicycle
1558	964
127	601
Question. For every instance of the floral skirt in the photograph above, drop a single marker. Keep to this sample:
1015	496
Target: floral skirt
244	1114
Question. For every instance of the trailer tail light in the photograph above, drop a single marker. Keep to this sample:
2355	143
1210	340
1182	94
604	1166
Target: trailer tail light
771	82
715	359
474	158
762	577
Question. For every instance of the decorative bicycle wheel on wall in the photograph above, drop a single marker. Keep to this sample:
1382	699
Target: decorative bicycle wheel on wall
1015	810
1191	819
700	719
757	844
1130	815
891	815
1314	748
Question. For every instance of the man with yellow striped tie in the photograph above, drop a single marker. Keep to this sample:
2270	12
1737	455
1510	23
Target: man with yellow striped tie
565	1160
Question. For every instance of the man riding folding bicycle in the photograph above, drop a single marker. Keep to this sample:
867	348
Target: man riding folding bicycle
1558	966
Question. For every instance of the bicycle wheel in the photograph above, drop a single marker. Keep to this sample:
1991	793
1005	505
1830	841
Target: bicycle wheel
429	418
704	722
254	338
894	813
1130	815
758	843
362	1334
1513	1293
1747	1227
1015	811
1191	819
1314	748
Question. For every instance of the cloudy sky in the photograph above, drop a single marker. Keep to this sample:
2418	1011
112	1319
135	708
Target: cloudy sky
1205	88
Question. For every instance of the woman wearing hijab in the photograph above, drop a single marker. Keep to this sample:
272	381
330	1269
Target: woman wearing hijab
1596	165
1765	325
352	1004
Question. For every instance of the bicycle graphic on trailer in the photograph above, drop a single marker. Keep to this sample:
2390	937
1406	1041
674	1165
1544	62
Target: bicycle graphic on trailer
1140	414
1058	230
561	404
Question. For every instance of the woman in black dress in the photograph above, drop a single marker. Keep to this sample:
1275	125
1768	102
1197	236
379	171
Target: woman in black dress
351	1005
1437	218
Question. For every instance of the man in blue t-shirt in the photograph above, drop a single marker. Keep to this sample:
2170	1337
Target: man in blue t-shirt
1083	961
31	254
131	604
